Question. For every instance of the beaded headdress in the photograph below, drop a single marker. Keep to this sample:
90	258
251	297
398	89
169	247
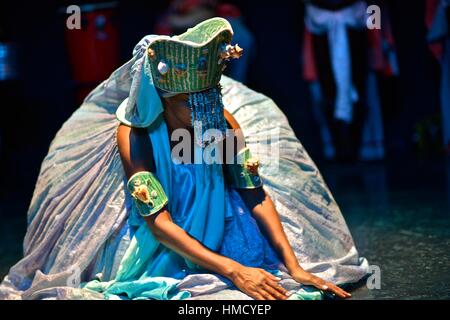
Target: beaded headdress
191	63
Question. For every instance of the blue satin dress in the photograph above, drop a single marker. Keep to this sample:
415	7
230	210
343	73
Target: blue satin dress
203	205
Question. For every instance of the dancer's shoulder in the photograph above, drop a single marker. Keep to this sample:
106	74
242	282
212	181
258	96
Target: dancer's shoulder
231	120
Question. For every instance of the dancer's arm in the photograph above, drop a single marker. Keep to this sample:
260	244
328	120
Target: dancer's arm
265	213
135	151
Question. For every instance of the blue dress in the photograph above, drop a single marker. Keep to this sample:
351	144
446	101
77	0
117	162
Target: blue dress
203	205
81	202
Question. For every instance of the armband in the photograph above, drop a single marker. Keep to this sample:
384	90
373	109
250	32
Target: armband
147	193
243	173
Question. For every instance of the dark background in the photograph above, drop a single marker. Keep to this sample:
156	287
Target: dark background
34	108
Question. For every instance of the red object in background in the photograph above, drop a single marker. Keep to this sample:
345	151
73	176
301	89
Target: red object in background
185	6
310	72
94	49
381	44
228	10
430	12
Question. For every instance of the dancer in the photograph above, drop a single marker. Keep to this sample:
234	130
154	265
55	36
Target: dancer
126	209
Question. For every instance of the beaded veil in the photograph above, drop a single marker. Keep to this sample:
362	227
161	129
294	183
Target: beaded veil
191	63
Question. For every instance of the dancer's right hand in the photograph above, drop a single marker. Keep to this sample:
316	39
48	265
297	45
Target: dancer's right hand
258	283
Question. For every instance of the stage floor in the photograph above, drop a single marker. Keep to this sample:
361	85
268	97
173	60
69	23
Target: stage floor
398	214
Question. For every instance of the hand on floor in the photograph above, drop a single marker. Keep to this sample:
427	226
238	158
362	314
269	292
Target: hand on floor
307	278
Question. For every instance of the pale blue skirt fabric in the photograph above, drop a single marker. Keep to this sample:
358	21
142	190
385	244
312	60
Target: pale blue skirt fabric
81	223
161	270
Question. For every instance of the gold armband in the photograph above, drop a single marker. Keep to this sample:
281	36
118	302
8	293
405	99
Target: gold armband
243	173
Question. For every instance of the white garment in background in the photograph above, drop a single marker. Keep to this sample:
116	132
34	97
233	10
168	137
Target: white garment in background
334	24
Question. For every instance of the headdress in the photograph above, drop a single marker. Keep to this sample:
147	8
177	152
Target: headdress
191	63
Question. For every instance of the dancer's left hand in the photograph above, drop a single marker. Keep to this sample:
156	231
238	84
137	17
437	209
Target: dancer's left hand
307	278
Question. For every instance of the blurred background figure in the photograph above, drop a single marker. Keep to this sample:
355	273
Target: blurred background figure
183	14
382	67
336	81
438	21
238	68
342	59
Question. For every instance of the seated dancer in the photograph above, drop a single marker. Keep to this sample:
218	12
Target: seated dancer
141	208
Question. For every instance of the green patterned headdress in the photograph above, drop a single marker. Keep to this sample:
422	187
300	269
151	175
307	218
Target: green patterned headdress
193	61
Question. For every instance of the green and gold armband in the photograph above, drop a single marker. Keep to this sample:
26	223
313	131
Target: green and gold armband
243	173
147	193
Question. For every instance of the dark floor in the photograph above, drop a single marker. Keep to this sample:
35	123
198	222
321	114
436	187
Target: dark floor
399	215
400	219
